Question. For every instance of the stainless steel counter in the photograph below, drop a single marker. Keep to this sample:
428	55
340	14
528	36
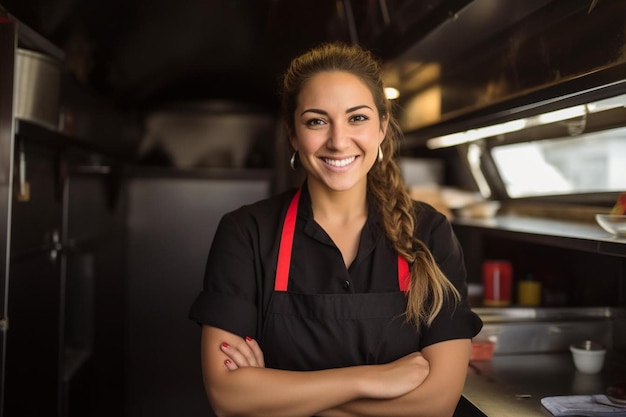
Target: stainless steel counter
513	385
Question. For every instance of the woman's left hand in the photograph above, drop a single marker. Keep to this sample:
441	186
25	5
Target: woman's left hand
246	352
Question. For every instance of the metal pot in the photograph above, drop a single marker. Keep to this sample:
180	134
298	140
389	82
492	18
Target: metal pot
38	85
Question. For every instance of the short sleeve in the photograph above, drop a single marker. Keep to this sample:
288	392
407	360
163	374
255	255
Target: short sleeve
229	294
455	320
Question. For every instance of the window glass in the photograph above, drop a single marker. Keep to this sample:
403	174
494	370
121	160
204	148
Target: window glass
591	162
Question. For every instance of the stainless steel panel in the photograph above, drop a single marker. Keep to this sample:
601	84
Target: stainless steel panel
171	222
540	330
536	314
513	338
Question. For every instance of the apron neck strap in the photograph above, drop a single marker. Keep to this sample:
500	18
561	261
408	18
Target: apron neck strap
286	244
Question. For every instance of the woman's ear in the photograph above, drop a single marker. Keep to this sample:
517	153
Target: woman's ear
384	124
292	141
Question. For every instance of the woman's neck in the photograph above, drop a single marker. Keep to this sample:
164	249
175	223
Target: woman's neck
342	214
338	207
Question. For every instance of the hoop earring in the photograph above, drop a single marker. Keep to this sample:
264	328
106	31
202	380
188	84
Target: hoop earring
292	161
380	154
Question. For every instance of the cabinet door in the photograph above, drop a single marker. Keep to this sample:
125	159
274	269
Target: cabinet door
34	291
94	295
171	224
32	354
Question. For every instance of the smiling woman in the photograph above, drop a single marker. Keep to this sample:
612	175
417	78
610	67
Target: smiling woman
342	297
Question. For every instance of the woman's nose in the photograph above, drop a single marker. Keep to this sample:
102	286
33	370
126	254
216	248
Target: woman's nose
339	137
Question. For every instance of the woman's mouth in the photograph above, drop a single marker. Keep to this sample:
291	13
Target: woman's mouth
339	163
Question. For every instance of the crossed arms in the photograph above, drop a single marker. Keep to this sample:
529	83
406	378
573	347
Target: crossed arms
421	384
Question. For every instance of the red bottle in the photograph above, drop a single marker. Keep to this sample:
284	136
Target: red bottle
497	282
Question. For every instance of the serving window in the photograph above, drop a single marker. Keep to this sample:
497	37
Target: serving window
573	151
587	163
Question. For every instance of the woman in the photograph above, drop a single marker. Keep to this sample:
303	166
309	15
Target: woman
344	297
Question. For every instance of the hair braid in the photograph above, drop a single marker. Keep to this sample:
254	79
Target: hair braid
428	286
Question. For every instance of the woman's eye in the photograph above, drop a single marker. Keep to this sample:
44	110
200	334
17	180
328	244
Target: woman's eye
315	122
359	118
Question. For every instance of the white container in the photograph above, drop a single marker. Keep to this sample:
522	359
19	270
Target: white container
588	356
613	223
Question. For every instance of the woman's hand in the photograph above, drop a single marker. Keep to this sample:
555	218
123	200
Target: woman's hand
246	352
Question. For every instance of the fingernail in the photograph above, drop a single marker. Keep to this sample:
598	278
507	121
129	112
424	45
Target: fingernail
227	362
225	345
248	339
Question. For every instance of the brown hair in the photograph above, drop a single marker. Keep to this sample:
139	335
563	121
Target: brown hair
428	285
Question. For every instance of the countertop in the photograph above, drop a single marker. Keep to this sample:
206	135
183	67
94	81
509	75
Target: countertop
513	385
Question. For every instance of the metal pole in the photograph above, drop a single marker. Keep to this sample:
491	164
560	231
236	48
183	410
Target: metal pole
8	49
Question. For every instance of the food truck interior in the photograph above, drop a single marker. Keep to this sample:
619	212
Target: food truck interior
127	128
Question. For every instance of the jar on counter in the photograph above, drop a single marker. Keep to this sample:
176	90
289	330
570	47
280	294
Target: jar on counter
529	292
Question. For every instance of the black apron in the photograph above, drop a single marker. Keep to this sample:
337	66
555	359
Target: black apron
304	332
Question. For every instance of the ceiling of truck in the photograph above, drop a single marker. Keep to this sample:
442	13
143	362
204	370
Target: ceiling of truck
448	58
143	52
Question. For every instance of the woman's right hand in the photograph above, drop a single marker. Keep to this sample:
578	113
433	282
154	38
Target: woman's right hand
397	378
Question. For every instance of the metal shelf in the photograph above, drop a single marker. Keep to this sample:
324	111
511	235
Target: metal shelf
37	134
581	236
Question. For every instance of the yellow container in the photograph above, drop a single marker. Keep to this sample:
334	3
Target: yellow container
529	293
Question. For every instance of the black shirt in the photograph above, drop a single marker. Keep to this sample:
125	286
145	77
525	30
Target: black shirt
241	266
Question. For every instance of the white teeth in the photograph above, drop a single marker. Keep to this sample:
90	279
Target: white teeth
340	162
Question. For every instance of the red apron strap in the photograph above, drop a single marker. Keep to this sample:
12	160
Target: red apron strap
286	242
404	275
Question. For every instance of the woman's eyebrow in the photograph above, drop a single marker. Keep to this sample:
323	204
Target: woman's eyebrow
323	112
355	108
318	111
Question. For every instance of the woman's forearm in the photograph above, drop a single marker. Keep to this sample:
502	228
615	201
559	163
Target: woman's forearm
269	392
411	405
436	397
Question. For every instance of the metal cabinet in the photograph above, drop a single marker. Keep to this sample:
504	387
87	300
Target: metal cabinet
31	281
62	247
65	284
35	285
171	222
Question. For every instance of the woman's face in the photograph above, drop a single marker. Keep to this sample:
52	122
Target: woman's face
337	130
